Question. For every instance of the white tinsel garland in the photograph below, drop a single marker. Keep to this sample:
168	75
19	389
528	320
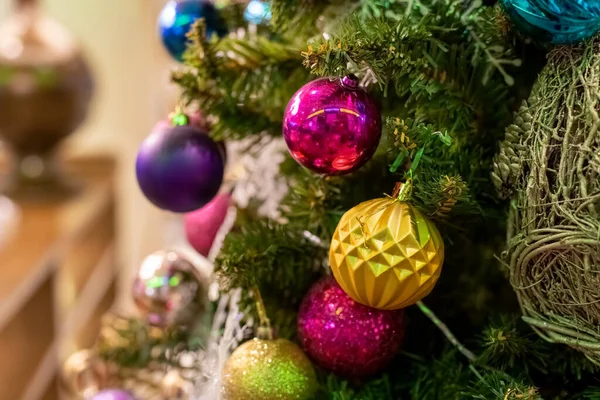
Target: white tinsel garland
253	172
257	178
256	171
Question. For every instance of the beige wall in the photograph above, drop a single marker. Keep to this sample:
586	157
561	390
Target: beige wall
132	93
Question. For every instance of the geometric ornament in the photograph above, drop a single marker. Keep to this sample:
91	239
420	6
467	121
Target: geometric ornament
386	254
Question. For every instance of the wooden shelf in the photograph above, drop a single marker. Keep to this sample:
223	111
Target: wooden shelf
25	340
57	279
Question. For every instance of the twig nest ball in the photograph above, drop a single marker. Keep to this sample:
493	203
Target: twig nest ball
554	246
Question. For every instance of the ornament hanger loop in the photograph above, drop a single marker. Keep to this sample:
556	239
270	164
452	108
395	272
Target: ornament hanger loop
350	82
264	331
403	191
179	117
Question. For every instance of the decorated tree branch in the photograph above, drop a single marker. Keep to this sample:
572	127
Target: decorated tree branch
438	232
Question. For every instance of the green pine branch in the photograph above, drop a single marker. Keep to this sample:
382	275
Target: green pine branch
131	342
240	80
442	66
269	256
497	385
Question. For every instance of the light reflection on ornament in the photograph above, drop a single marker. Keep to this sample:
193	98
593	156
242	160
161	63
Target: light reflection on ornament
257	12
151	264
168	14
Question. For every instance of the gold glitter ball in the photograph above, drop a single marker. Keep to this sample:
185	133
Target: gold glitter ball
386	254
84	372
269	370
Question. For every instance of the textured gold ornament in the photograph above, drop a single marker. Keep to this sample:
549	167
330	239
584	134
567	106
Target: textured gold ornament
85	373
386	254
175	387
269	370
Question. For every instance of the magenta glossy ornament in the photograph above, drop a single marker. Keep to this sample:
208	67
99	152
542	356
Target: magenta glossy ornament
346	337
331	126
202	226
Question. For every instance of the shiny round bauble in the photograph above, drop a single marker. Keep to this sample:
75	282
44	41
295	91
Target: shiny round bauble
176	20
174	387
113	394
331	126
346	337
85	372
203	225
386	254
555	21
269	370
169	290
179	168
45	92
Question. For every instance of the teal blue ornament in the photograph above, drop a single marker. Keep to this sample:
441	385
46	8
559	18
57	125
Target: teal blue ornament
258	12
176	20
555	21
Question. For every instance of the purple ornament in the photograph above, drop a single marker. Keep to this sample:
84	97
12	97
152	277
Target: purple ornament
346	337
202	226
113	394
179	168
332	127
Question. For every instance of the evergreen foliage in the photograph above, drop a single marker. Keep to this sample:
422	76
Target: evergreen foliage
448	76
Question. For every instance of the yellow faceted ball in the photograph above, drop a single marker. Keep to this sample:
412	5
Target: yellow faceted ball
386	254
269	370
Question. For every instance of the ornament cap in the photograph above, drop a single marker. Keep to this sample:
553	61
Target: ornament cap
265	333
403	191
350	82
179	118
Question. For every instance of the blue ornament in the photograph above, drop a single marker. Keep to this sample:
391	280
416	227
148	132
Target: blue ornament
555	21
258	12
176	20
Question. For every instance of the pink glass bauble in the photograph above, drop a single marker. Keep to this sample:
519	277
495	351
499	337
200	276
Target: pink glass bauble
346	337
332	127
202	226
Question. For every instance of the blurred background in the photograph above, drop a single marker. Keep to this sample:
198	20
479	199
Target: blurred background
64	258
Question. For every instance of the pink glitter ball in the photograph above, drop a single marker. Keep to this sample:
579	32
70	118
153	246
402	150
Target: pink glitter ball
332	127
346	337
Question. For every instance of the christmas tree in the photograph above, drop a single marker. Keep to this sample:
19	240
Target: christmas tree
445	170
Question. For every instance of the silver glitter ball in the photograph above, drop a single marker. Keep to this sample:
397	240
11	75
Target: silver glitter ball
169	290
